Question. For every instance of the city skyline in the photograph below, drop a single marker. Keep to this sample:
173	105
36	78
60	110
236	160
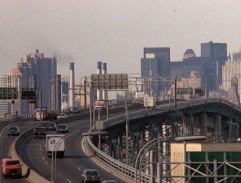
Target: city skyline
115	32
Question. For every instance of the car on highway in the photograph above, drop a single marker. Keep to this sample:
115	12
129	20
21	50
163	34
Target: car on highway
11	168
50	126
39	132
109	181
51	116
90	175
62	128
13	130
61	115
75	110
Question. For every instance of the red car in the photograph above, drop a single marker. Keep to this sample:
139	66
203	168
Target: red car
11	168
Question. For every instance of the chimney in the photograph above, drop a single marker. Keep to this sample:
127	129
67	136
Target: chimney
71	86
99	71
105	91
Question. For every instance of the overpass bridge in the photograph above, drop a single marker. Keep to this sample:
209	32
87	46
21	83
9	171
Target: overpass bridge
214	159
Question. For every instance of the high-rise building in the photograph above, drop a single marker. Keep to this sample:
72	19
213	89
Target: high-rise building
155	64
40	72
217	53
237	55
232	72
202	65
11	83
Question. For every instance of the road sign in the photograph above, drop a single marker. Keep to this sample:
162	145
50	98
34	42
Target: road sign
109	81
99	125
184	90
8	93
29	94
199	91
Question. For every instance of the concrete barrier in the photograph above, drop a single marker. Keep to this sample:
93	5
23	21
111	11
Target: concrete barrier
28	173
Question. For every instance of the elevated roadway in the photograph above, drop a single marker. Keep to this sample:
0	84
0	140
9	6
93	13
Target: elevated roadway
165	120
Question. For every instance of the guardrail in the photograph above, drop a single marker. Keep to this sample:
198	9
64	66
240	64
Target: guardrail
14	118
124	169
28	173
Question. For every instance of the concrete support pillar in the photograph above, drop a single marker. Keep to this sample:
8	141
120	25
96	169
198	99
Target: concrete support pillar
218	128
204	122
192	121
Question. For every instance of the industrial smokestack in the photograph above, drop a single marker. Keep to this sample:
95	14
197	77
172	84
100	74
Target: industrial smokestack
71	86
99	71
105	91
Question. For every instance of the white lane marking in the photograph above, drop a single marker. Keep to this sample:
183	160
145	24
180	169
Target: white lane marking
68	180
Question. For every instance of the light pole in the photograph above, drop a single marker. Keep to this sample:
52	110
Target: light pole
151	143
162	139
127	129
54	153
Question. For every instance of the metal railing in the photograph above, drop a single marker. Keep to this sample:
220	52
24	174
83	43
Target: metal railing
126	170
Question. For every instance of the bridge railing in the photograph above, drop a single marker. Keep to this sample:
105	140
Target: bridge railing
128	171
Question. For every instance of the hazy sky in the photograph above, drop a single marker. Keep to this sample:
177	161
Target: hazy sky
113	31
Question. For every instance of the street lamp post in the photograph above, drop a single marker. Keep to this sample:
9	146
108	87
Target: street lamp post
127	128
54	154
151	143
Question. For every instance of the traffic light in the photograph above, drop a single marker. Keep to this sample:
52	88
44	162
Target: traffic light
30	101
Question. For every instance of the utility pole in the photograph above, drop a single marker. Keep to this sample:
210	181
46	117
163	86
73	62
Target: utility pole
175	92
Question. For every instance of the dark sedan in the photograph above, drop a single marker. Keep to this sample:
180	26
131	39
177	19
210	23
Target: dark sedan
50	126
14	130
90	175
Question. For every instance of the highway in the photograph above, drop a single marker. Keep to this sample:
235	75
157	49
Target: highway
6	142
68	168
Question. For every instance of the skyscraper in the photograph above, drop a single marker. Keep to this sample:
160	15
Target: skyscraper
155	64
40	72
217	53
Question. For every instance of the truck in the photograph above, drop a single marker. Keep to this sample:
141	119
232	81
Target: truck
104	104
55	144
149	102
40	114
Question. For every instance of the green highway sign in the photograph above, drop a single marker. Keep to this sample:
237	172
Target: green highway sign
190	90
184	90
29	94
109	81
8	93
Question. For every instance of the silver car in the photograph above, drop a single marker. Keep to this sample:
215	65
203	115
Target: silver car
62	128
